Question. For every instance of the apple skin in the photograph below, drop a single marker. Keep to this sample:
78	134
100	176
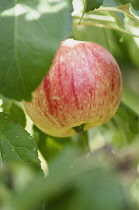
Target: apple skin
82	87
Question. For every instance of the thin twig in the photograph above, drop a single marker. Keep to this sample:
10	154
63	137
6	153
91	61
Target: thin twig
107	26
113	9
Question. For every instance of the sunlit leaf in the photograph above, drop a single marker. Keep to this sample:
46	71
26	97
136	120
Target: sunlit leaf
30	34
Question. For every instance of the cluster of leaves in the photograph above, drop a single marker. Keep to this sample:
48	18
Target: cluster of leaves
30	33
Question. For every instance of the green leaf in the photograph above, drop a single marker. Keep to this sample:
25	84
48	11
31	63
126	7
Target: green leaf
135	3
16	145
14	111
127	121
126	9
30	35
51	146
122	130
117	12
130	97
129	10
118	16
90	5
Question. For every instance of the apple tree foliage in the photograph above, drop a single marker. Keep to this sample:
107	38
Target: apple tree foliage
66	176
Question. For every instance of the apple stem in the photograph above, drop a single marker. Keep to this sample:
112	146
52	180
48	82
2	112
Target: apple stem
83	138
79	129
84	142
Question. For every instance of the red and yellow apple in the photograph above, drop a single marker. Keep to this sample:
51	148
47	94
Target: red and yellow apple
82	87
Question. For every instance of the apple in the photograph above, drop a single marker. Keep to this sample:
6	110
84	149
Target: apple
82	89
